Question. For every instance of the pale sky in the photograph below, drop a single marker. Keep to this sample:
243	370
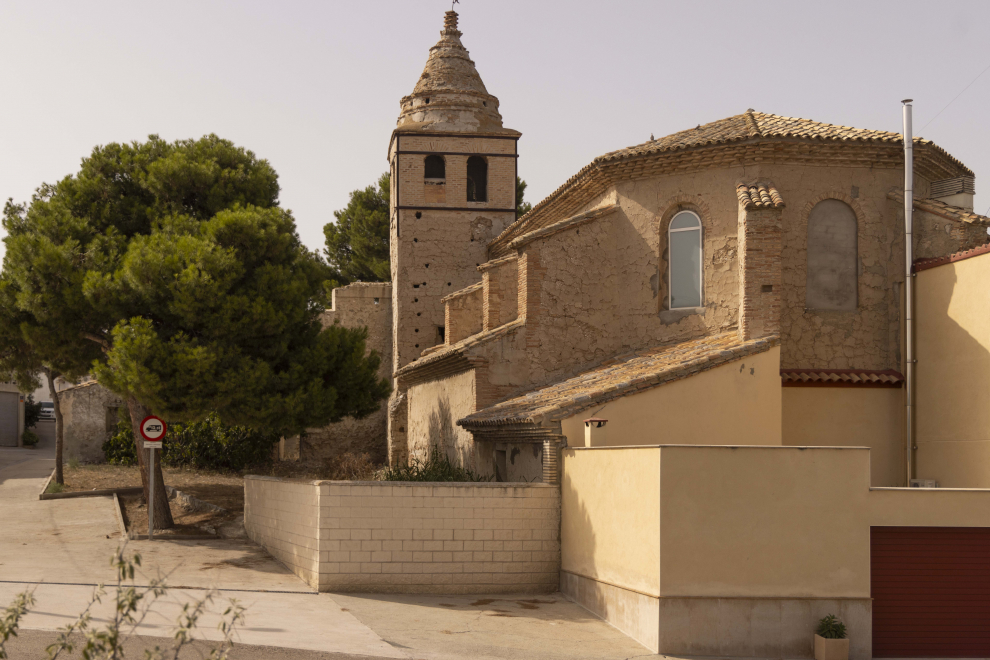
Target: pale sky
314	87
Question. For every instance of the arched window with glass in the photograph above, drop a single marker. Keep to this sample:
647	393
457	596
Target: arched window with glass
684	259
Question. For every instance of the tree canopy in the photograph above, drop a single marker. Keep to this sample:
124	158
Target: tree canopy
172	268
176	261
357	243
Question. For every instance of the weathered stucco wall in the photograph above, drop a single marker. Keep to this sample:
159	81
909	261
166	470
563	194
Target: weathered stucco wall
89	413
600	289
362	304
735	404
952	391
434	408
850	417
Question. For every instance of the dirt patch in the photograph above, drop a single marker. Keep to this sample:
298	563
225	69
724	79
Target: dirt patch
222	490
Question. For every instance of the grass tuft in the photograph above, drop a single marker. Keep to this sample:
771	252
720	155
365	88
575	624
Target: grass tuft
436	467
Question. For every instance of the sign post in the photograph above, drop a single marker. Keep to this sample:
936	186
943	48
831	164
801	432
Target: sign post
153	431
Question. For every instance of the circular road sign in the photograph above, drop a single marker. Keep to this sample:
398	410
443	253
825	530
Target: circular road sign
153	429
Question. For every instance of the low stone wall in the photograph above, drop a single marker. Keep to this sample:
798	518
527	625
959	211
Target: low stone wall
403	537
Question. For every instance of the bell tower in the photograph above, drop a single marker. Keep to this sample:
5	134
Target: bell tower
453	189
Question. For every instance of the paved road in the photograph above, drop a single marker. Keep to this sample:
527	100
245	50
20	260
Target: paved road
61	549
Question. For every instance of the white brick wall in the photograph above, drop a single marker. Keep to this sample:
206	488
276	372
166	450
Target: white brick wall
409	537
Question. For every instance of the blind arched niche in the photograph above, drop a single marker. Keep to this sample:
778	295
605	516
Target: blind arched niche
832	282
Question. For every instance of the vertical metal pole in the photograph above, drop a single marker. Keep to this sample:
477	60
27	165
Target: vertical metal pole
151	494
909	284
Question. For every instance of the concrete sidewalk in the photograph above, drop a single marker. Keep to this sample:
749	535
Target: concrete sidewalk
61	549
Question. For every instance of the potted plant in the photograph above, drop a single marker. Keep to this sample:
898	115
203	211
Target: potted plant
830	639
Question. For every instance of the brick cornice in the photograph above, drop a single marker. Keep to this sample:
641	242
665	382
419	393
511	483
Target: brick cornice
594	179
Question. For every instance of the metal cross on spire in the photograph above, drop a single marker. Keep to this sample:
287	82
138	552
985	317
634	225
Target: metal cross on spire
455	2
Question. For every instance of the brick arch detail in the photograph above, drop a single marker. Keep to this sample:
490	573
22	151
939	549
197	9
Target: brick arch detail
678	203
854	204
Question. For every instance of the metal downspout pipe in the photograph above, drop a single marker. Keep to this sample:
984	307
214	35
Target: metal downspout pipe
909	286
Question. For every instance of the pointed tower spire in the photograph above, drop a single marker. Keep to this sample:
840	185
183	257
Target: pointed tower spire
450	95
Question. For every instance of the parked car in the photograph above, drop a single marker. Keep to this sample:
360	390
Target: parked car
47	411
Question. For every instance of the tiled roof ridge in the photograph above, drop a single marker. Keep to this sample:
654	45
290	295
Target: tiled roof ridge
760	195
462	292
800	375
563	225
729	130
941	209
458	350
925	264
722	348
798	370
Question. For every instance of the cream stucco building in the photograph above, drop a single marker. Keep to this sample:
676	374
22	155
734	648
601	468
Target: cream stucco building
730	298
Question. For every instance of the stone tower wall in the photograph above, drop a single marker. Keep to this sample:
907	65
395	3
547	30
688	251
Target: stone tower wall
439	252
439	238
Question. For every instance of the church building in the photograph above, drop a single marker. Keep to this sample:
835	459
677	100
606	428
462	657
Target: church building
704	345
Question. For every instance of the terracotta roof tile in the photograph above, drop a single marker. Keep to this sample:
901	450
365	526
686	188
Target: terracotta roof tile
619	377
925	264
750	125
842	376
759	196
942	209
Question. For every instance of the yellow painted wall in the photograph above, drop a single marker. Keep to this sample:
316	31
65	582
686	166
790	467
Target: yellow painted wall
610	516
715	521
953	374
738	404
850	417
764	521
929	507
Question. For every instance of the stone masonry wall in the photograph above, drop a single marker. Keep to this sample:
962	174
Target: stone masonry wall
463	314
362	304
89	412
410	537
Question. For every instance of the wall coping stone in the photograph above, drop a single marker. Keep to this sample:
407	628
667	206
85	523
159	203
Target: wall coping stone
455	484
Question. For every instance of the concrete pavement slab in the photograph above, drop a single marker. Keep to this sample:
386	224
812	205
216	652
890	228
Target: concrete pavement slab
31	644
302	621
63	547
491	628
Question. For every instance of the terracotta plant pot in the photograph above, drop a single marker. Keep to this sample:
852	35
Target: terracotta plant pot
831	649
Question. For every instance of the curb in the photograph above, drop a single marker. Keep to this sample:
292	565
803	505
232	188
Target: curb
106	492
119	515
44	486
175	537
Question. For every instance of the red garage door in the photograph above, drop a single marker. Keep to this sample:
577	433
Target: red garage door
931	592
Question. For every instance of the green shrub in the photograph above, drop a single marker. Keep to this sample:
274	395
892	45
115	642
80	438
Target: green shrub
831	628
73	463
119	447
32	412
29	438
213	445
436	467
208	445
55	487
